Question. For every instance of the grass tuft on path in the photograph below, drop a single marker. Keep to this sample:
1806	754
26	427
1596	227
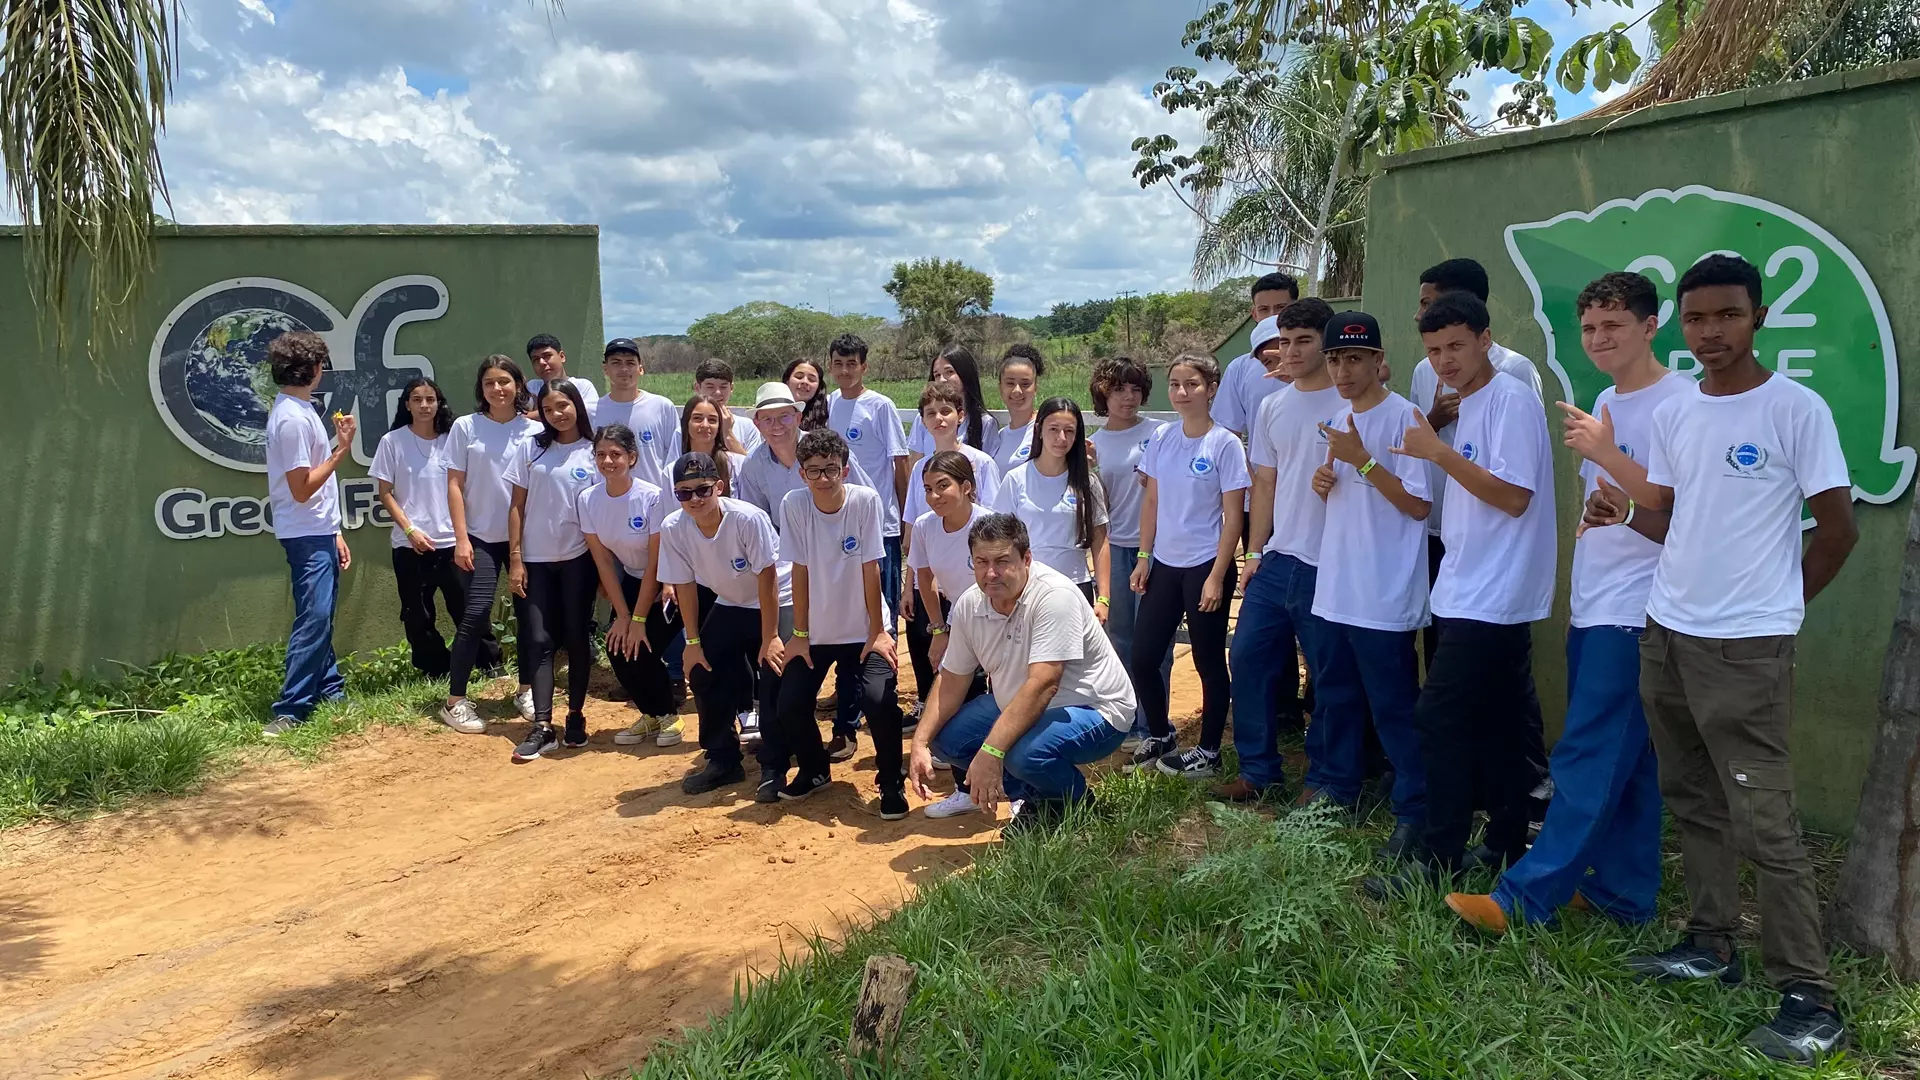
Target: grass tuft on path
1166	937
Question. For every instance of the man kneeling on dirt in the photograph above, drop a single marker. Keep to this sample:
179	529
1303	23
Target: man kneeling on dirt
1061	697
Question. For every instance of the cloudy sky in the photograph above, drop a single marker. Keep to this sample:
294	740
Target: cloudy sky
730	150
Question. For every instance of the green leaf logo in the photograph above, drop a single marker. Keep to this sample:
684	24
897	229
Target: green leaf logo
1826	325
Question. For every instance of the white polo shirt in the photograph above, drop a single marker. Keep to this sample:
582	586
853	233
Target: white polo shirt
296	439
761	480
729	562
1051	622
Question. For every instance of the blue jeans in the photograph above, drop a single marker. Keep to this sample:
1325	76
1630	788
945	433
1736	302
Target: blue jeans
1602	833
1124	605
846	716
1044	763
312	674
1368	670
1275	608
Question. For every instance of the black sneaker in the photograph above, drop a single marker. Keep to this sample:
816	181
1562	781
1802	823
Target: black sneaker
804	785
576	736
893	805
1483	857
715	775
1151	750
1406	835
1410	878
768	790
678	692
1807	1028
538	741
842	747
1687	962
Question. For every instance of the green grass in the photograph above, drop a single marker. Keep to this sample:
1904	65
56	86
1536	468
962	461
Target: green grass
1163	938
1067	382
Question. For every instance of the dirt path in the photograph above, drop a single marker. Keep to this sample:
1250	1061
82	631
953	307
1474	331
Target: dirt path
417	907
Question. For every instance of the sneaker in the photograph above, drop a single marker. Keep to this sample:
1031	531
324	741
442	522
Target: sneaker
715	775
1807	1028
803	785
1152	749
1480	911
911	719
538	741
637	732
523	701
768	789
678	691
1405	881
1238	790
1132	742
1192	763
670	733
749	727
1483	857
576	736
1405	836
1035	815
842	747
462	717
960	802
1687	962
279	726
893	805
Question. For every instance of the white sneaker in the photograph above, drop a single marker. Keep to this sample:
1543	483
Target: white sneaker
954	805
524	702
749	727
637	732
463	718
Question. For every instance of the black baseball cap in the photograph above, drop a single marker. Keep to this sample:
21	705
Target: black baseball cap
1352	330
621	344
695	467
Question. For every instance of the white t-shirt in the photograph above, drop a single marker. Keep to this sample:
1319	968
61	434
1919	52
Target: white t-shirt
730	561
656	427
1739	467
945	553
834	548
1191	477
1613	568
1014	447
871	426
297	439
986	481
417	469
1244	386
920	440
623	523
483	449
1120	453
1050	510
1499	568
553	477
1286	438
1373	573
589	395
1426	385
764	482
1051	622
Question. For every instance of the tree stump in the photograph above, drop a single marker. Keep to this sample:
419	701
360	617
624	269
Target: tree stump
884	991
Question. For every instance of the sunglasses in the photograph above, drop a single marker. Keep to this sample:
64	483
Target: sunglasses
689	494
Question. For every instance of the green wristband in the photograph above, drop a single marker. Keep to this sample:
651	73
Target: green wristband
993	751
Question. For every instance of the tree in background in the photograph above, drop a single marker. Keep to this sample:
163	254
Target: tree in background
759	338
934	295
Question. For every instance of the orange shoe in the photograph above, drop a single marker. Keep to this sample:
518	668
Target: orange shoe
1479	910
1580	903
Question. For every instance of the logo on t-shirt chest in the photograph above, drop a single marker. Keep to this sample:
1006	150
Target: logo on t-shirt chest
1747	460
1070	499
853	433
1469	451
1025	452
1201	466
740	564
850	545
638	523
580	472
646	436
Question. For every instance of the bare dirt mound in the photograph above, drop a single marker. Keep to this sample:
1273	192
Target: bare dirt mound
417	907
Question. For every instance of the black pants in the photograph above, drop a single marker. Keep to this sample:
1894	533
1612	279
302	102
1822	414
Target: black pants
420	577
799	735
473	639
559	615
1476	735
1430	636
644	676
732	681
1173	592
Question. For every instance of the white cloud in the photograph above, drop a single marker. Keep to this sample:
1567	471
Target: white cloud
258	9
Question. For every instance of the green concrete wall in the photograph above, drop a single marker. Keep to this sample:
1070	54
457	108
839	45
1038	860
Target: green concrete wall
1816	182
92	578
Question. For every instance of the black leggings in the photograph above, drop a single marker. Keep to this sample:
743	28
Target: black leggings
1174	592
730	683
471	637
424	581
799	735
645	676
559	615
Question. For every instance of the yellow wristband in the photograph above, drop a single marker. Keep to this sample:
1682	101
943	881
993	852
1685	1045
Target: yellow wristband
801	634
1369	466
641	619
1103	600
936	631
993	751
693	641
1144	555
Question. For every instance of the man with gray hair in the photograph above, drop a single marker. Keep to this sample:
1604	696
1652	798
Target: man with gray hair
1061	697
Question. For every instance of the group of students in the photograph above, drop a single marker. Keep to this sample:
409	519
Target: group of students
798	541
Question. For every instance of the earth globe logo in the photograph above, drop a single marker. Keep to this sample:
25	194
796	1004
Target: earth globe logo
1023	453
1627	450
638	523
853	434
1469	451
850	545
1746	457
1201	466
579	472
646	436
740	563
1071	499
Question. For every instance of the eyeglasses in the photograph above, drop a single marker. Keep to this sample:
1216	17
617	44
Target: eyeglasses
692	493
820	472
